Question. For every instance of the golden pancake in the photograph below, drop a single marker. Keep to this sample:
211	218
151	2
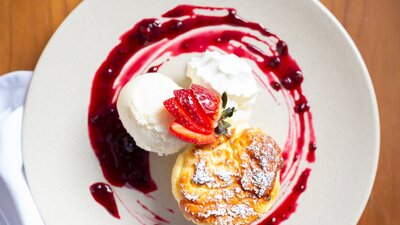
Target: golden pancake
232	181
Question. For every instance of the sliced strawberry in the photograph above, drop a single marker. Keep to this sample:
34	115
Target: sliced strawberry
208	100
182	118
189	136
189	103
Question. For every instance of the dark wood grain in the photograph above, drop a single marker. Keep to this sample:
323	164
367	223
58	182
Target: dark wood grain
26	26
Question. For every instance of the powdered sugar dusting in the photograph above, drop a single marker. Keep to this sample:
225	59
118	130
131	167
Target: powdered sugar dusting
189	196
202	175
219	211
257	180
229	213
241	210
228	194
225	176
231	183
259	175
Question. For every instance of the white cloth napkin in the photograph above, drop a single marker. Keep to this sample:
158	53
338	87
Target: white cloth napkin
16	203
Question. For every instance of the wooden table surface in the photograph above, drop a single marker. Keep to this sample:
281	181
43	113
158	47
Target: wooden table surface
26	26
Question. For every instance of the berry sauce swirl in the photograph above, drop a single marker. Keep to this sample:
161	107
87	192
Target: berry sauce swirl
183	30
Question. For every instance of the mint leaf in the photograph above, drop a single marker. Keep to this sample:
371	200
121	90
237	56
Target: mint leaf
228	113
222	127
224	100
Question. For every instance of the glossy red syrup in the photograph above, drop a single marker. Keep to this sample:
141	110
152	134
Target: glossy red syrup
157	217
104	195
170	210
183	31
288	206
312	147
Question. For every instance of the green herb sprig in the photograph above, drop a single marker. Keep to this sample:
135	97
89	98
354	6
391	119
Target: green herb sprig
223	126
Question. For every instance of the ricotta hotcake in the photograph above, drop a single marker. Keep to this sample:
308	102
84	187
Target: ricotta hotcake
231	181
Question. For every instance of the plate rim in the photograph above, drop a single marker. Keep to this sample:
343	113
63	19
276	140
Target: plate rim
328	14
372	97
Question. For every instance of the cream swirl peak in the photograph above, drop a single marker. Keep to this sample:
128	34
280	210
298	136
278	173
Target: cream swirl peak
226	73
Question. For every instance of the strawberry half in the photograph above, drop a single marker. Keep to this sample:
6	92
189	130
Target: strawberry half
195	111
182	118
189	136
187	100
208	100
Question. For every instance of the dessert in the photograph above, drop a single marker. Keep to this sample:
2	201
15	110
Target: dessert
196	110
227	175
231	181
152	42
140	108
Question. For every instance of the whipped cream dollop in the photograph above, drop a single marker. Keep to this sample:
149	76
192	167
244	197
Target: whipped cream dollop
141	110
226	73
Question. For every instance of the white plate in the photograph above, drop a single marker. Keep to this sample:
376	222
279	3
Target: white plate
61	165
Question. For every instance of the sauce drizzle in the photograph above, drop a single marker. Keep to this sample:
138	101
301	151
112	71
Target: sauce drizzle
182	31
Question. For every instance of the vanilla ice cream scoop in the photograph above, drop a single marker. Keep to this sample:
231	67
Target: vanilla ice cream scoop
226	73
141	110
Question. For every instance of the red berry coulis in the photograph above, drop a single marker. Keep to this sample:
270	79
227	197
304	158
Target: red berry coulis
123	162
